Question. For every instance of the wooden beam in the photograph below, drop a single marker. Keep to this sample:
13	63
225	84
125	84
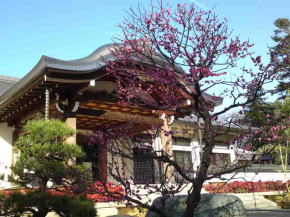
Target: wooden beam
123	117
21	93
99	96
89	112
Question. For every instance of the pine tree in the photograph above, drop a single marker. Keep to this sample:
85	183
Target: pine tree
265	114
256	112
271	119
282	53
44	156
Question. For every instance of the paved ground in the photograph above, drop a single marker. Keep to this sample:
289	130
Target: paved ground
282	213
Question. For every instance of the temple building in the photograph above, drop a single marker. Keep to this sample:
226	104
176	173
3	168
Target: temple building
81	93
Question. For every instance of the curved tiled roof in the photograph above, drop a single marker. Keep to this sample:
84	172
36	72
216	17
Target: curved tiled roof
94	61
74	71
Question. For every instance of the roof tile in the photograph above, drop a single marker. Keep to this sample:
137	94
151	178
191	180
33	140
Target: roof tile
6	82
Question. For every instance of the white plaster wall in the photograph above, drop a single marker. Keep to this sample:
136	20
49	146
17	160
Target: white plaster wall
253	177
6	153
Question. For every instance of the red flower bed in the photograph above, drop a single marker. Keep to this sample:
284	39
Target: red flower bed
100	192
97	192
245	187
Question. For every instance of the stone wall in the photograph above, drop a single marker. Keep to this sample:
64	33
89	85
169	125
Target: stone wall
253	176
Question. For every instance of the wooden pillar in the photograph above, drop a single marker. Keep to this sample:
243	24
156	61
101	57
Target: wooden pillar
167	147
157	147
71	122
15	137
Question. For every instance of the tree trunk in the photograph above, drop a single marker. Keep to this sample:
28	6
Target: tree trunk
41	213
193	200
194	196
43	184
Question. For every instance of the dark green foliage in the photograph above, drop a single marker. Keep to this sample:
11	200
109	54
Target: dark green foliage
265	114
282	108
268	116
282	53
39	203
256	113
43	156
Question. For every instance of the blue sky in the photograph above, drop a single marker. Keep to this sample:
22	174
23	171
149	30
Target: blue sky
70	29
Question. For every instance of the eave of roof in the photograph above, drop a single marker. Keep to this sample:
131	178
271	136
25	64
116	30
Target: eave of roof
89	63
193	119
